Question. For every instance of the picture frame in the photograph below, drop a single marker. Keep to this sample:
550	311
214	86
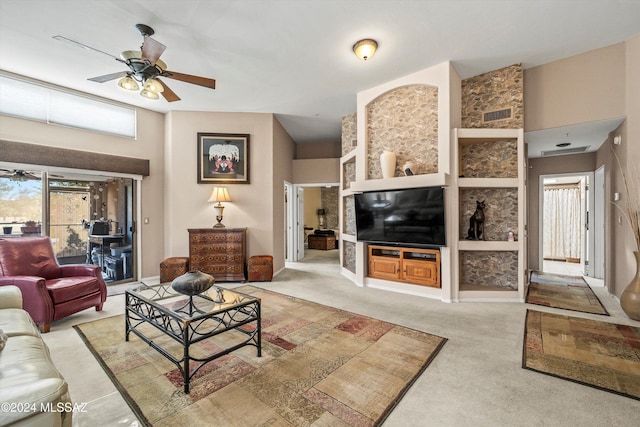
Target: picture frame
223	158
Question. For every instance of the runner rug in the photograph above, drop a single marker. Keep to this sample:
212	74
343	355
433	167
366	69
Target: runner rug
319	365
590	352
566	292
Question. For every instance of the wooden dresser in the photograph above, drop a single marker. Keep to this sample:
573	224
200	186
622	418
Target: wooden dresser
220	252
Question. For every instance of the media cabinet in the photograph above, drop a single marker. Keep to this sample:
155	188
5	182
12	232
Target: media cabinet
408	265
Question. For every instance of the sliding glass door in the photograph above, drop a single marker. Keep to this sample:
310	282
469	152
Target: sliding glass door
89	218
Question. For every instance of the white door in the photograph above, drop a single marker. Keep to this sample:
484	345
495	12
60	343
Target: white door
589	240
300	224
598	224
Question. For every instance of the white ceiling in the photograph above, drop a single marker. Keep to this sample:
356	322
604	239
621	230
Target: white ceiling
294	57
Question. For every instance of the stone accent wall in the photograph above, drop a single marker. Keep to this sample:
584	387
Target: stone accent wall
349	218
348	174
501	211
497	159
405	121
349	133
492	91
349	256
495	269
329	201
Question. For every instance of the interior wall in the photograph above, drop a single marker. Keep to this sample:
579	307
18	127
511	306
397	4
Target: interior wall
619	247
252	204
147	145
283	153
318	150
316	171
579	89
312	202
596	85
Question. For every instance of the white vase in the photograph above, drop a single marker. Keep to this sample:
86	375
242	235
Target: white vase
388	164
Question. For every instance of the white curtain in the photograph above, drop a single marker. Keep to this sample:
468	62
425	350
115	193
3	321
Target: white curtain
562	222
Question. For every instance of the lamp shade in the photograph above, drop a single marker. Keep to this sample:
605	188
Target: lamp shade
219	194
128	83
364	49
153	85
320	211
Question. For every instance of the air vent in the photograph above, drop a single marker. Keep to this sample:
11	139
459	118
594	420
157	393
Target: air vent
565	151
494	116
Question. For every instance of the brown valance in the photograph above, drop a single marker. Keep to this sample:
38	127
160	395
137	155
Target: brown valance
20	152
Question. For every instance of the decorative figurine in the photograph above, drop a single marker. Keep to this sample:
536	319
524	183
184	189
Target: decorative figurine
476	223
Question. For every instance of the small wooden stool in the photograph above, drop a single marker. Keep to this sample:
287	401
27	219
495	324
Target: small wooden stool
260	268
173	267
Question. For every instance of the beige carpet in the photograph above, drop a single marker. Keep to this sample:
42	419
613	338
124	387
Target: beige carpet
598	354
565	292
320	366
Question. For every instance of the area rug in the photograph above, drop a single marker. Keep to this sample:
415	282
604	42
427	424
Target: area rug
566	292
590	352
319	365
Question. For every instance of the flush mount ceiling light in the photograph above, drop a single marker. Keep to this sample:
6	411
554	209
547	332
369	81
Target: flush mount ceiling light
365	49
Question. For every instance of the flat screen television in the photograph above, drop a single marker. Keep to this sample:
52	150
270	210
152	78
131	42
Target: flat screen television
413	216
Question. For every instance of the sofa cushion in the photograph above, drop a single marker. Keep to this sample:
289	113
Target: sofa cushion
15	321
28	376
71	288
25	360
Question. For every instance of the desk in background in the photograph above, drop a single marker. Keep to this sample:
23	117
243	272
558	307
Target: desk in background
104	241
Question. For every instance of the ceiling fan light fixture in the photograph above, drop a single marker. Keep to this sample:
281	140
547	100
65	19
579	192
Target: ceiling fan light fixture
131	54
128	83
149	95
153	85
365	49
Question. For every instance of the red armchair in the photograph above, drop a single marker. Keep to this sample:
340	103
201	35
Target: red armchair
49	291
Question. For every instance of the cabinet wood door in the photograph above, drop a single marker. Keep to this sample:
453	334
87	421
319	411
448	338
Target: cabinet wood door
421	272
384	268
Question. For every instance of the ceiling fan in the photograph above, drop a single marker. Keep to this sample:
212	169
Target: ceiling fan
145	66
17	175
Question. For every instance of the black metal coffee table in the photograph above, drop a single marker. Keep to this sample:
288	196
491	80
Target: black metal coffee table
189	320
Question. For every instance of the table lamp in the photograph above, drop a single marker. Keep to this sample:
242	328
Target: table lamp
219	194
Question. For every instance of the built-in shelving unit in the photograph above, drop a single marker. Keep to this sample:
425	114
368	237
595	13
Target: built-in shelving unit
490	167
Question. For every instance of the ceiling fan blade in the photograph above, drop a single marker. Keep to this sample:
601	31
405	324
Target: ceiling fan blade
84	46
201	81
107	77
168	94
152	49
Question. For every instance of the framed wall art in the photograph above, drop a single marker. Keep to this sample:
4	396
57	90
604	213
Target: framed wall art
223	158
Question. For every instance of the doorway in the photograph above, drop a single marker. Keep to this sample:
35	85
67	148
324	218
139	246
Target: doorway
312	207
566	234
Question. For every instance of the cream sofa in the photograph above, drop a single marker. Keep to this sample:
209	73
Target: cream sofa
32	391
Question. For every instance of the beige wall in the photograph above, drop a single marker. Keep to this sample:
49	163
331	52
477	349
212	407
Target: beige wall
283	153
596	85
259	206
578	89
620	264
318	150
148	145
316	171
312	202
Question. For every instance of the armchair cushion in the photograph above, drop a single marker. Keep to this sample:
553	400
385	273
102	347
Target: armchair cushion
28	256
68	288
